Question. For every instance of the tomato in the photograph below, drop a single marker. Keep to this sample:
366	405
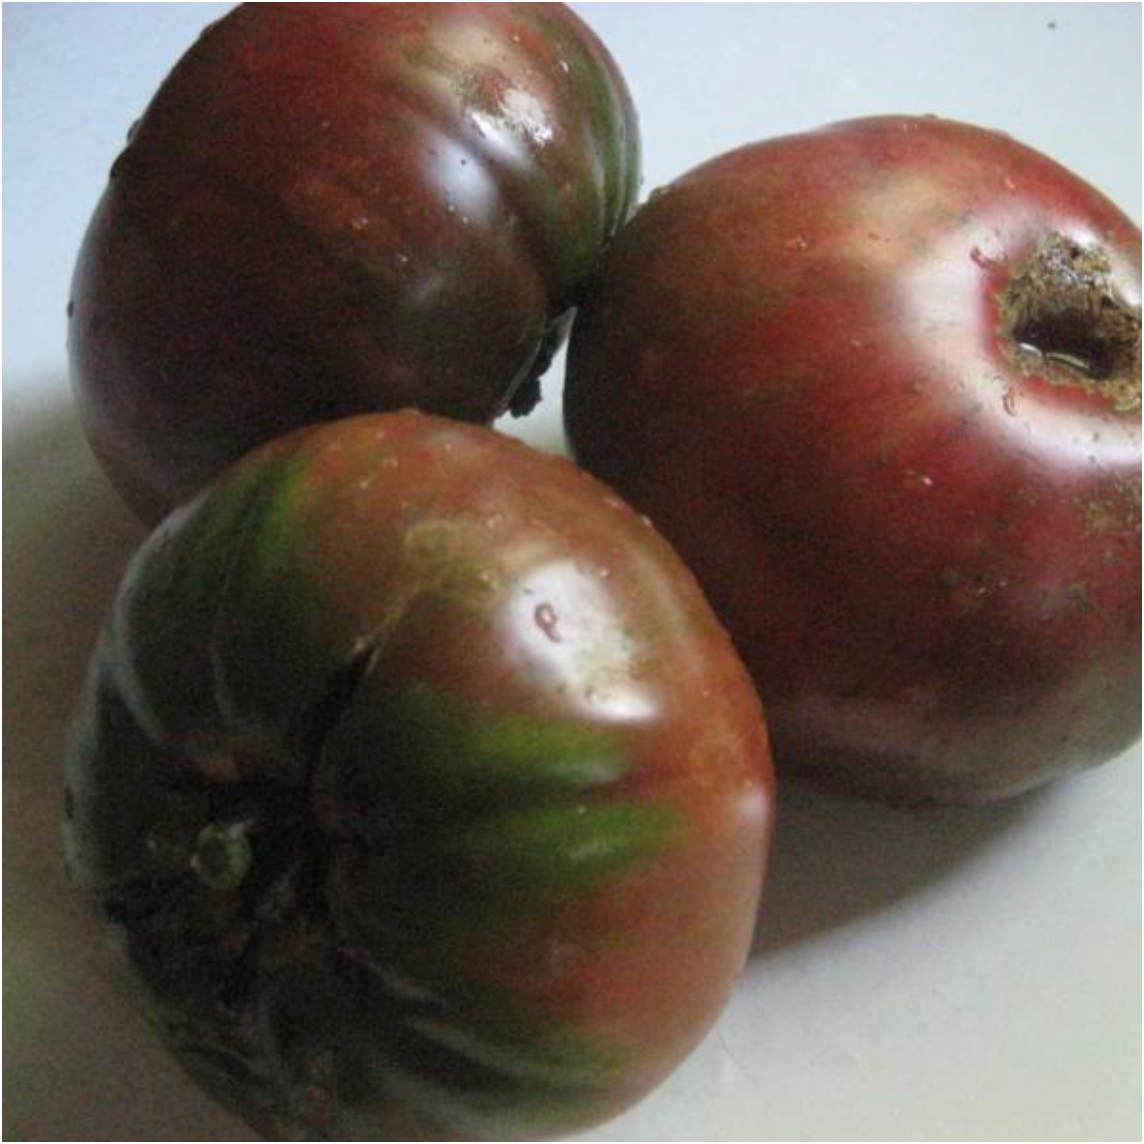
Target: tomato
415	776
880	386
338	208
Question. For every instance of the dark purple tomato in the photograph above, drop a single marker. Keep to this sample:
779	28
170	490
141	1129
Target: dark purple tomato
337	208
880	386
416	781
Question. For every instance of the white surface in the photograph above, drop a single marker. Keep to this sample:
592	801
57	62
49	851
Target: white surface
971	975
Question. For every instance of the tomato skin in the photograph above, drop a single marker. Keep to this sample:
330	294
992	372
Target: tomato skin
416	777
337	208
924	540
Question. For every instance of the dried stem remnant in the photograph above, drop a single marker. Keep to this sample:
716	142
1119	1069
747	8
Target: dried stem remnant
1064	320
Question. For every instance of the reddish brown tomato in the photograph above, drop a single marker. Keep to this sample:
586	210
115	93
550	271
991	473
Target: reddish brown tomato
337	208
880	384
416	776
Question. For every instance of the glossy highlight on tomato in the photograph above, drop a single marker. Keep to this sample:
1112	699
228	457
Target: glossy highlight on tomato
330	209
880	386
417	782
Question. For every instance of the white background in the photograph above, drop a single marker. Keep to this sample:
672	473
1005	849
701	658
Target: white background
954	975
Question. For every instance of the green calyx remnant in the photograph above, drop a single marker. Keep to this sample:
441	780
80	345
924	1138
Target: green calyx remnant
317	921
222	855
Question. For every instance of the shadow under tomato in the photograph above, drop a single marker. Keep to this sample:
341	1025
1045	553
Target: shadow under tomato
835	859
79	1063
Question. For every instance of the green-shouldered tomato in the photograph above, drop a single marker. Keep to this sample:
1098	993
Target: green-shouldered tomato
330	209
880	386
415	775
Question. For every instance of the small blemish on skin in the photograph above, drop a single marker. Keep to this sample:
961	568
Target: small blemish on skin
1078	596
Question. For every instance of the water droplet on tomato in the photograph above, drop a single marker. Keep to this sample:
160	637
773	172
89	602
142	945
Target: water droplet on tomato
546	621
797	243
980	258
